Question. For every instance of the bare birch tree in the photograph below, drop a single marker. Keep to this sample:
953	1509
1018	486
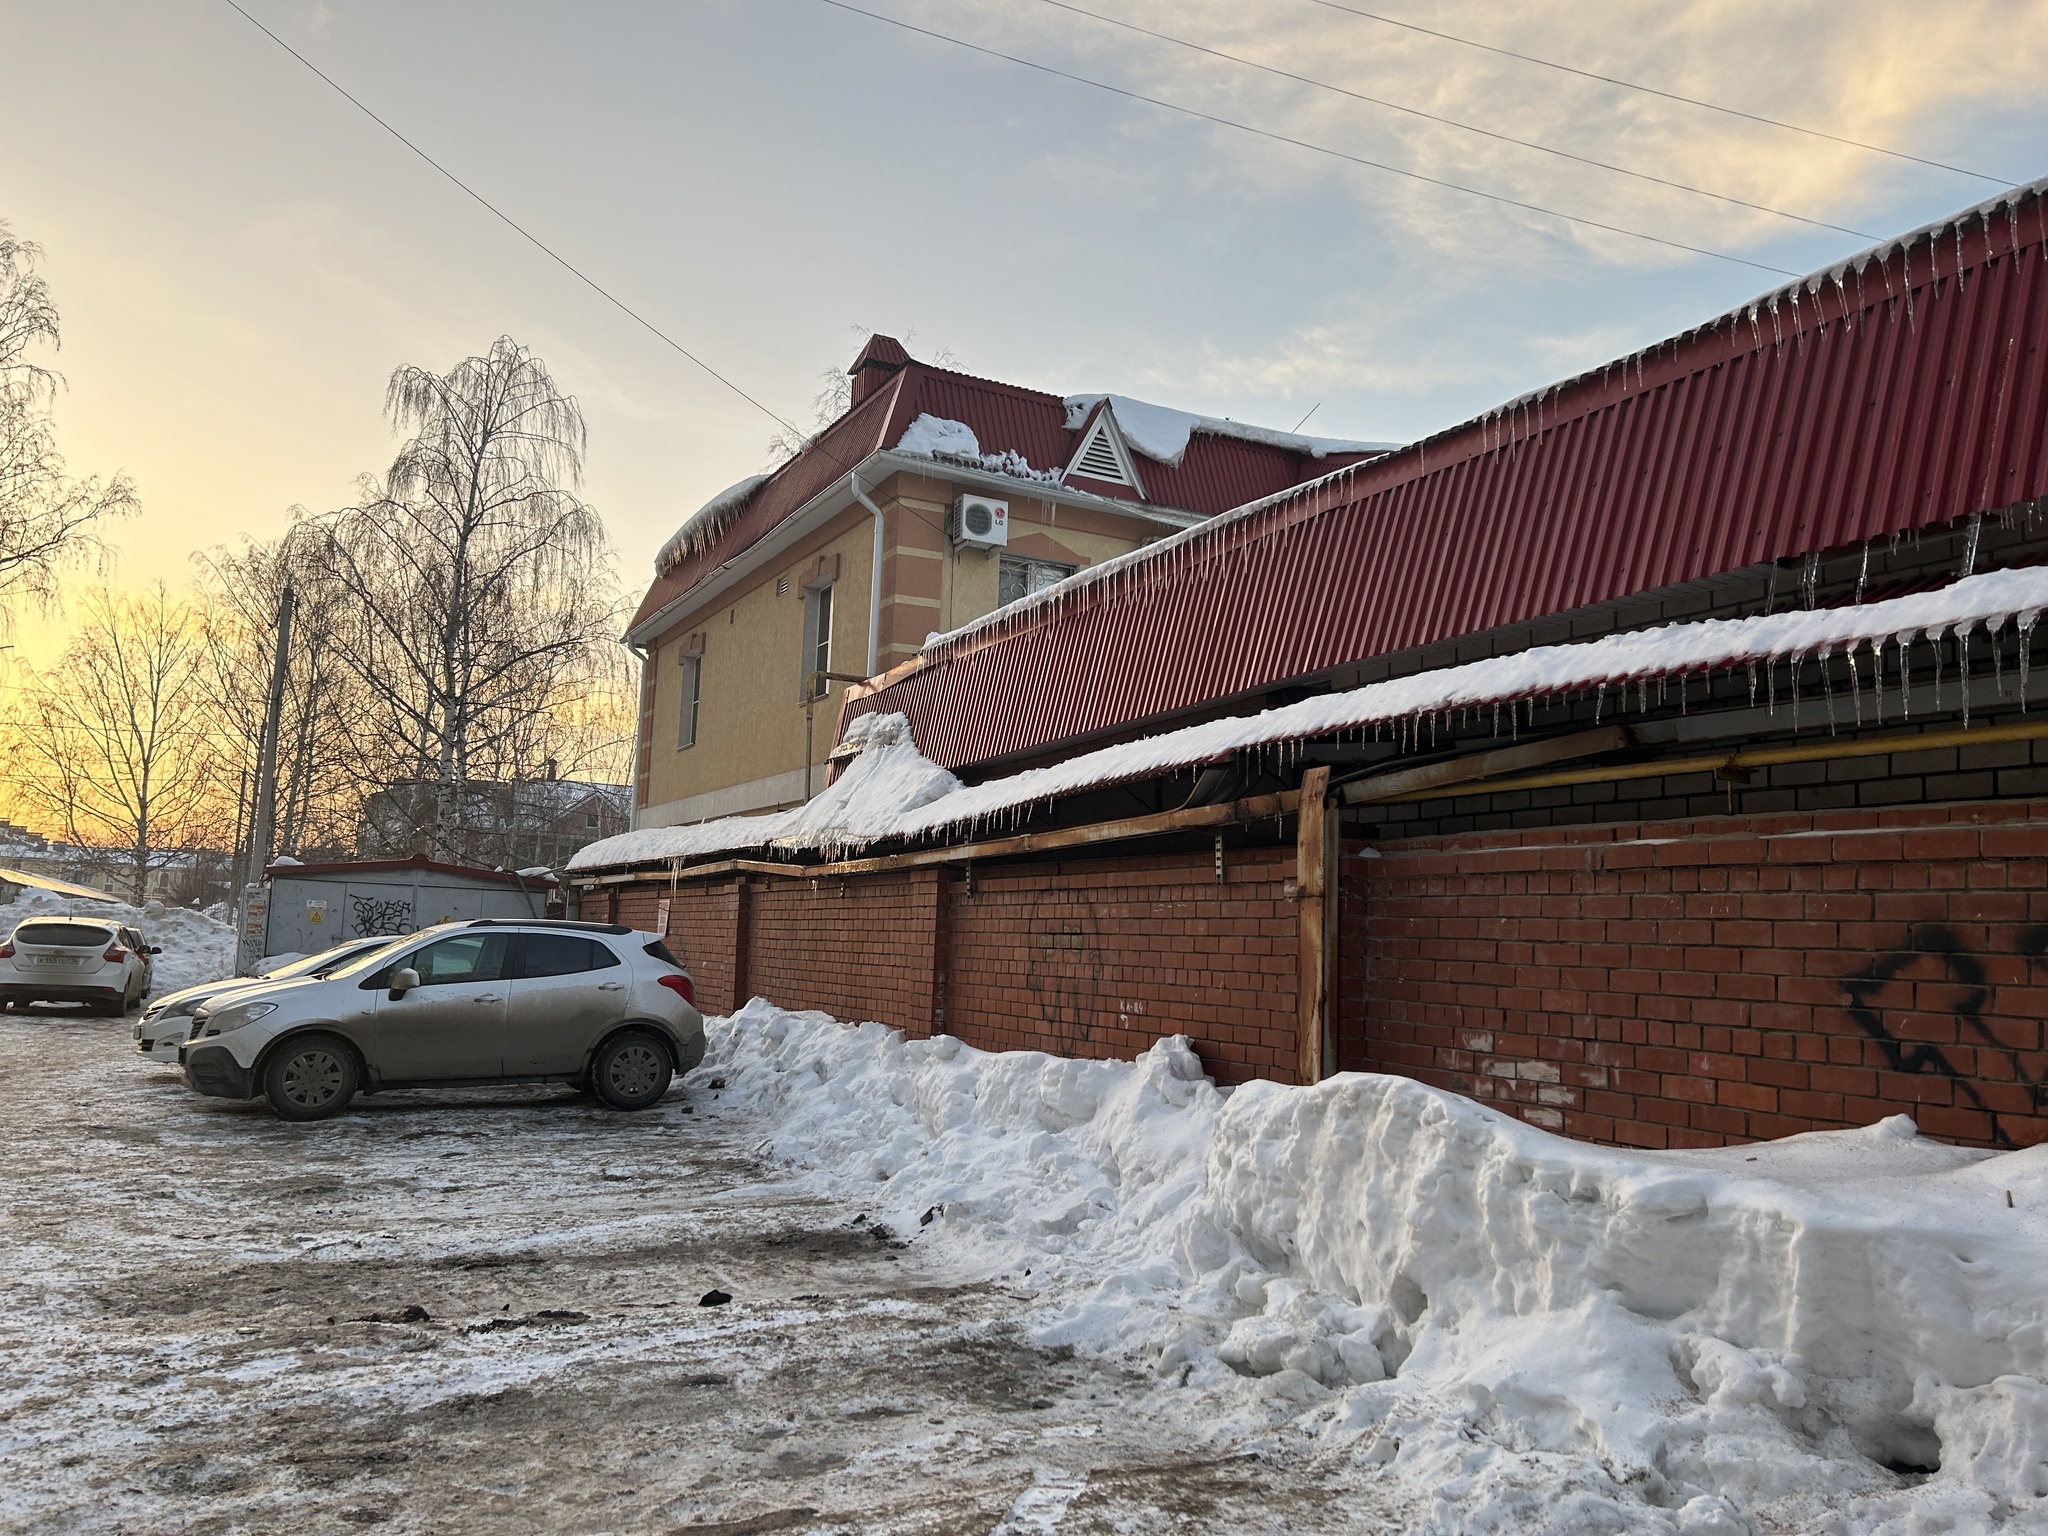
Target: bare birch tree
120	741
46	518
476	584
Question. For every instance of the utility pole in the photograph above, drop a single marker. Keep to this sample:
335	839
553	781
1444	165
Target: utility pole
255	912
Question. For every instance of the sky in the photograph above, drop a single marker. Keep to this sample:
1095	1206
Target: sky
242	257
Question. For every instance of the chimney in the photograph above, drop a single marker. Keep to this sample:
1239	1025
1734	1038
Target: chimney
879	360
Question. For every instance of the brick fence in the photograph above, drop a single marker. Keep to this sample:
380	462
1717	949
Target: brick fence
1696	983
1090	957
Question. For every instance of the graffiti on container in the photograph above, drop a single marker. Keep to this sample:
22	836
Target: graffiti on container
373	916
1887	991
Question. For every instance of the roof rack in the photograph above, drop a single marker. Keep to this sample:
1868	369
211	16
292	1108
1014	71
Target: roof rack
548	922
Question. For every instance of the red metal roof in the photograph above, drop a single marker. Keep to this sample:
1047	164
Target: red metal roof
1903	395
1216	474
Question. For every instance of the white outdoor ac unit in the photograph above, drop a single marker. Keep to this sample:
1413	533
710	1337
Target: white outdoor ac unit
979	520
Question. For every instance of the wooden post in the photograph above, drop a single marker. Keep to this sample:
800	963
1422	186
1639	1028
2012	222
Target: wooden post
1311	876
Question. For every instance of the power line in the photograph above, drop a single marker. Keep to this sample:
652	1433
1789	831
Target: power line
517	228
1452	122
1282	138
1651	90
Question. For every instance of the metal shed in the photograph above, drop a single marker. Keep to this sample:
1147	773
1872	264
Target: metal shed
310	907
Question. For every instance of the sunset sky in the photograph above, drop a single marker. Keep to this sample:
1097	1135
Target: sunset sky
241	257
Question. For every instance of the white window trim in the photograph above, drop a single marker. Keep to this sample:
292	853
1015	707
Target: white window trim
689	698
814	641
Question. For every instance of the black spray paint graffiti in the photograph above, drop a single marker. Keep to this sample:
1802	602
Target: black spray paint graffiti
1937	953
371	916
1066	980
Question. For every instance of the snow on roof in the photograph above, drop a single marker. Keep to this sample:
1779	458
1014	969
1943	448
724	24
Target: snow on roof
885	783
1161	433
706	523
935	437
891	790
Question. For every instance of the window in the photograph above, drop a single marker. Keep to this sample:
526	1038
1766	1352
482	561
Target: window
591	820
818	636
563	954
686	718
466	957
62	935
1017	577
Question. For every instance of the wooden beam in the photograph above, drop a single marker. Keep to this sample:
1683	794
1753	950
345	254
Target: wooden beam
1234	813
1486	765
1311	878
1734	762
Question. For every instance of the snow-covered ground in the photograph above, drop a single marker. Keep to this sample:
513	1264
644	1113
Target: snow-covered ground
998	1293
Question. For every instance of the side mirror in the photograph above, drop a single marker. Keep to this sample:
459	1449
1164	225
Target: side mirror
153	950
403	982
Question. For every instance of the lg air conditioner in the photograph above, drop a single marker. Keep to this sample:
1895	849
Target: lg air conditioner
979	520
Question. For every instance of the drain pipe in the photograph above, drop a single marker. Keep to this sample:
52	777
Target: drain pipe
874	577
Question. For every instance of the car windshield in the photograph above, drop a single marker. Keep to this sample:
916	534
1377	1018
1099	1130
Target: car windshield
65	935
331	960
370	961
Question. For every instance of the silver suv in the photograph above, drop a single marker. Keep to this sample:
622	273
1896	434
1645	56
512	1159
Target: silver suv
490	1001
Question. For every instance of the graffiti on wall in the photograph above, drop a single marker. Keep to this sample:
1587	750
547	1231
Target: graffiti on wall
1937	974
1066	978
374	916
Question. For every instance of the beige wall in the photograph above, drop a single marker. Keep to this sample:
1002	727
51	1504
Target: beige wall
750	718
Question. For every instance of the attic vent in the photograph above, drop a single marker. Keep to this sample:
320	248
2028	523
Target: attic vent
1099	458
782	586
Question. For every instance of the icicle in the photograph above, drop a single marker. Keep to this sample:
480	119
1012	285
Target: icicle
1991	629
1877	678
1809	582
1599	701
1963	666
1771	684
1752	685
1797	657
1863	573
1771	591
2026	649
1970	542
1855	685
1827	685
1905	677
1934	639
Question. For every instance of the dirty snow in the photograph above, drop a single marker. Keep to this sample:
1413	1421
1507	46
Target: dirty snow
1887	640
1161	433
1508	1330
197	946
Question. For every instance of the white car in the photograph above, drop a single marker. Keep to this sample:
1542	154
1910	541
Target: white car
92	960
493	1000
166	1022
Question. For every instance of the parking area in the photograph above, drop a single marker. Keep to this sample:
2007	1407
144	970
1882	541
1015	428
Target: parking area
481	1311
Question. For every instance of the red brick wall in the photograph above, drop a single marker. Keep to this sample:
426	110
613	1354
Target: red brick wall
857	949
1091	958
1101	957
1706	982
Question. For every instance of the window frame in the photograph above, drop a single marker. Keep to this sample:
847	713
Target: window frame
690	698
1030	565
817	652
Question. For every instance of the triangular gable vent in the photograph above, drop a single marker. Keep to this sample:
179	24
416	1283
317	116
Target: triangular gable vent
1103	455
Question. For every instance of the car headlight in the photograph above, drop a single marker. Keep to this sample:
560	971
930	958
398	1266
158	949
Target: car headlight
234	1018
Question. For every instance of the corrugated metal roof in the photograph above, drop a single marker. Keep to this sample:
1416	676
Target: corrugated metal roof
1900	392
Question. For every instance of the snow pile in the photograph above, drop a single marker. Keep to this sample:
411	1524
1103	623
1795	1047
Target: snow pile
1530	1333
1161	433
197	946
888	782
939	437
707	523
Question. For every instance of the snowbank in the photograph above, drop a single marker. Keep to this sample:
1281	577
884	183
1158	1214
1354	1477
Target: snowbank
1161	433
197	946
1534	1334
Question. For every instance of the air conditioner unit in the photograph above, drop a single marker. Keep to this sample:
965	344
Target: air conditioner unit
979	520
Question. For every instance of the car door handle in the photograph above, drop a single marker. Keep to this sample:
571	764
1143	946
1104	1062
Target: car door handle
486	999
611	986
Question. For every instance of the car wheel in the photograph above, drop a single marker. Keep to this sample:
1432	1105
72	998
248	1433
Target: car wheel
311	1078
631	1071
